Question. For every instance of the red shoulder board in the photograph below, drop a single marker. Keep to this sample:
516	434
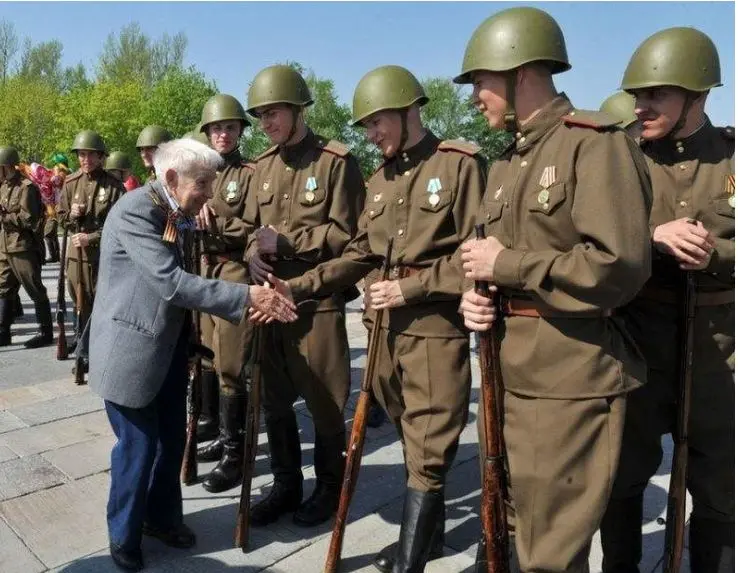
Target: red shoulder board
590	119
76	175
334	147
465	147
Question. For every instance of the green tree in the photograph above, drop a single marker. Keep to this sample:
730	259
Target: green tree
8	47
27	116
42	62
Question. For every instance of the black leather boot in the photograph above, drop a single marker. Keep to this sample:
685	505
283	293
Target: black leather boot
620	531
711	546
5	321
420	516
329	466
17	306
207	424
45	335
52	249
286	493
385	559
229	471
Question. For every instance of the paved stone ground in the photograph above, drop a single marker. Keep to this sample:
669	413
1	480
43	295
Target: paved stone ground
54	476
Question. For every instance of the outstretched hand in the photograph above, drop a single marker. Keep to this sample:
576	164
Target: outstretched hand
268	304
280	288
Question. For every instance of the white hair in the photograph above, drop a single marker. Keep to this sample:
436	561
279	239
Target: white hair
185	156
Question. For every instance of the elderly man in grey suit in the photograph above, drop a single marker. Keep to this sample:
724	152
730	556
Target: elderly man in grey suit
139	341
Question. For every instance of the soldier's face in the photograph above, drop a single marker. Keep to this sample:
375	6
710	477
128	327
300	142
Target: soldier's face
384	129
223	135
276	121
147	156
192	190
658	110
489	97
89	160
5	172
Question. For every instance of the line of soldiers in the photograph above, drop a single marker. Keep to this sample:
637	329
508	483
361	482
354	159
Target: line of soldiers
588	235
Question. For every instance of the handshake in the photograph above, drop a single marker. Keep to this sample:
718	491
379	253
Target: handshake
271	302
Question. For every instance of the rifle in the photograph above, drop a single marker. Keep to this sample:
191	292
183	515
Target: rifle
62	350
676	500
494	487
188	472
251	441
79	373
358	432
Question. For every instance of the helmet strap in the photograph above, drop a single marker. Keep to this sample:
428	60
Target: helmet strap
293	129
403	129
689	99
511	120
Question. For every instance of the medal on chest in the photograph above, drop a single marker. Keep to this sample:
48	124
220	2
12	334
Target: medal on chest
730	189
548	178
310	186
231	193
434	188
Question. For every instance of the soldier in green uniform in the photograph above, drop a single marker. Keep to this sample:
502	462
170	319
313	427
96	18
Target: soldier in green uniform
622	106
426	195
306	195
21	221
147	143
224	242
86	198
566	217
119	165
692	228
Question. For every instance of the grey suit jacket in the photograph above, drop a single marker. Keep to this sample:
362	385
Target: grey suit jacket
142	294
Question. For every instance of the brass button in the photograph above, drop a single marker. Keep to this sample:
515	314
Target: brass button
284	222
371	213
286	196
288	168
522	140
507	206
401	232
400	201
682	167
680	150
682	203
523	163
405	157
407	172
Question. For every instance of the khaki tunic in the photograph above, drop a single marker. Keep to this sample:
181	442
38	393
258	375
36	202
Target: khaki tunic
312	193
223	248
427	199
692	177
570	201
20	248
98	191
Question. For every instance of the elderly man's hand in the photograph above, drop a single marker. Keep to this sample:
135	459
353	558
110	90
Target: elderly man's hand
478	311
386	294
266	240
259	269
479	257
205	218
281	287
268	304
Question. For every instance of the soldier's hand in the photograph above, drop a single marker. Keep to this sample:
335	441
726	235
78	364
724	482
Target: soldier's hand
77	210
80	240
267	304
282	287
205	218
266	240
685	240
479	257
259	269
386	294
478	311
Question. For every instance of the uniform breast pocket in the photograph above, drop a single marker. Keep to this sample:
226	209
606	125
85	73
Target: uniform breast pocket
435	202
265	197
492	212
374	211
312	197
546	201
723	207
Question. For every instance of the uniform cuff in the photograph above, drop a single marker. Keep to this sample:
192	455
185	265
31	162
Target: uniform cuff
507	269
412	289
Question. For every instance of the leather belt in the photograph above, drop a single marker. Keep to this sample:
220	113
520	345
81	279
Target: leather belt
704	298
214	258
404	271
525	307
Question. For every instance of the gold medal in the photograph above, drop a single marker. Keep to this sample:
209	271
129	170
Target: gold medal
543	197
309	196
434	199
731	201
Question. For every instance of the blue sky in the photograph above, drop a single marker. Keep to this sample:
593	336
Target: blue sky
231	41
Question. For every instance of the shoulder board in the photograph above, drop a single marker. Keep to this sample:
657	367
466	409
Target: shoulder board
271	151
465	147
591	119
334	147
248	165
728	132
76	175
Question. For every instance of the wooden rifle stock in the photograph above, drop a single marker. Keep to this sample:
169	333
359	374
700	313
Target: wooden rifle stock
493	513
62	349
251	440
79	373
358	432
677	497
188	473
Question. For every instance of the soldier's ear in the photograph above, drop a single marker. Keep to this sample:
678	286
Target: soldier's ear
171	179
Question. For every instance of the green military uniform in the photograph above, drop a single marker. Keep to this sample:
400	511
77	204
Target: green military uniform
21	220
692	176
426	197
98	191
569	201
312	192
223	248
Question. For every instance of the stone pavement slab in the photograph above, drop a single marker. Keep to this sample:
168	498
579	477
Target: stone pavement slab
6	454
63	523
15	557
9	421
20	476
58	408
80	460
